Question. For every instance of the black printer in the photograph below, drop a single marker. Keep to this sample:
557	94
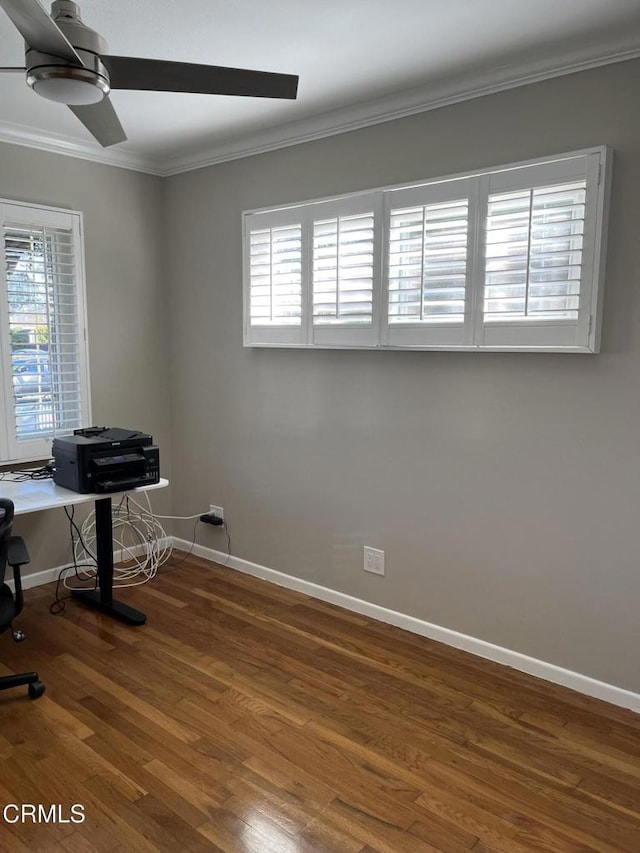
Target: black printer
105	459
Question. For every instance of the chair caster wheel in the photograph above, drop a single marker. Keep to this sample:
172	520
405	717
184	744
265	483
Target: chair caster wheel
36	689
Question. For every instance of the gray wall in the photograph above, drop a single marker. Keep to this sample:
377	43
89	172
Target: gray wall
504	488
128	320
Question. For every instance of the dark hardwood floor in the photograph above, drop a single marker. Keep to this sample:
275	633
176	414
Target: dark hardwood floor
245	717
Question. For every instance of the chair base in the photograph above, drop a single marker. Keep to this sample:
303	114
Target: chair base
24	679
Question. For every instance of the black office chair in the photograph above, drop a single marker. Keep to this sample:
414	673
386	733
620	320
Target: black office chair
14	552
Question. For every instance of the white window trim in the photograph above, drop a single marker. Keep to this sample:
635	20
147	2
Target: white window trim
11	450
494	336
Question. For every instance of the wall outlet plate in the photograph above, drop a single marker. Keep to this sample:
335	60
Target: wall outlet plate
373	560
216	510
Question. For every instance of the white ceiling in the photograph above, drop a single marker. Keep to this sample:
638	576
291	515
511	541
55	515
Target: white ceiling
359	61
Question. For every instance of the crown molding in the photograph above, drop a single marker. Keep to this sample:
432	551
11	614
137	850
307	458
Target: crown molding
369	113
56	143
400	105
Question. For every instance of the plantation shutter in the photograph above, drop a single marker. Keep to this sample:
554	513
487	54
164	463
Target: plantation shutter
534	252
273	310
42	330
345	270
430	248
538	277
508	258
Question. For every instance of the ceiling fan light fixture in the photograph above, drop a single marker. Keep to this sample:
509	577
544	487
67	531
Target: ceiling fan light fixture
68	63
72	86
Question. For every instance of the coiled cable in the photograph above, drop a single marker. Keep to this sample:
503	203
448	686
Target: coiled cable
140	542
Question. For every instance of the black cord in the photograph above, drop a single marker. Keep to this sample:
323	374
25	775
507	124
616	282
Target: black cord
192	546
188	553
58	605
226	530
73	526
22	475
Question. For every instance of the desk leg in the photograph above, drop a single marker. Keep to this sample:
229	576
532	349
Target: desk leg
102	598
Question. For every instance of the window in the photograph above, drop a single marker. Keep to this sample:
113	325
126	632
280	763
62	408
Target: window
507	259
428	262
44	385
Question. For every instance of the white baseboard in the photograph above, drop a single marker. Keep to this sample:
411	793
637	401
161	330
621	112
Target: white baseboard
538	668
523	663
36	578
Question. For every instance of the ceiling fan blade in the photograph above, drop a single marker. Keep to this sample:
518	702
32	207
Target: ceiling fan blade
13	68
101	121
38	29
128	72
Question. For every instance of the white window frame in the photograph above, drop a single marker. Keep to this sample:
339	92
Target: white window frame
38	216
475	333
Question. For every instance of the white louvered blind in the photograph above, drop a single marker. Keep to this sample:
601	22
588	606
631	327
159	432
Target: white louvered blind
428	262
534	242
343	269
43	330
275	276
509	258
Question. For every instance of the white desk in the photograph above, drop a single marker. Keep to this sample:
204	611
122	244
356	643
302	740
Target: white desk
37	495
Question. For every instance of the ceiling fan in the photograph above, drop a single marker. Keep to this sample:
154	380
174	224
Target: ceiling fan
67	62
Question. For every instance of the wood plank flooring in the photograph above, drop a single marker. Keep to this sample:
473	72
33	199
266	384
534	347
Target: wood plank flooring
246	717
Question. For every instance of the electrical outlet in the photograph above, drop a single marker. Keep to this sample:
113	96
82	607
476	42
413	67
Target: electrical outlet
373	560
216	510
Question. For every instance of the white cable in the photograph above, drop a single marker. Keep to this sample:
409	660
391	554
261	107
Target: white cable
139	537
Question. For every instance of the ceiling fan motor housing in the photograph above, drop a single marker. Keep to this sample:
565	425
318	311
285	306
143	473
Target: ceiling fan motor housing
56	78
